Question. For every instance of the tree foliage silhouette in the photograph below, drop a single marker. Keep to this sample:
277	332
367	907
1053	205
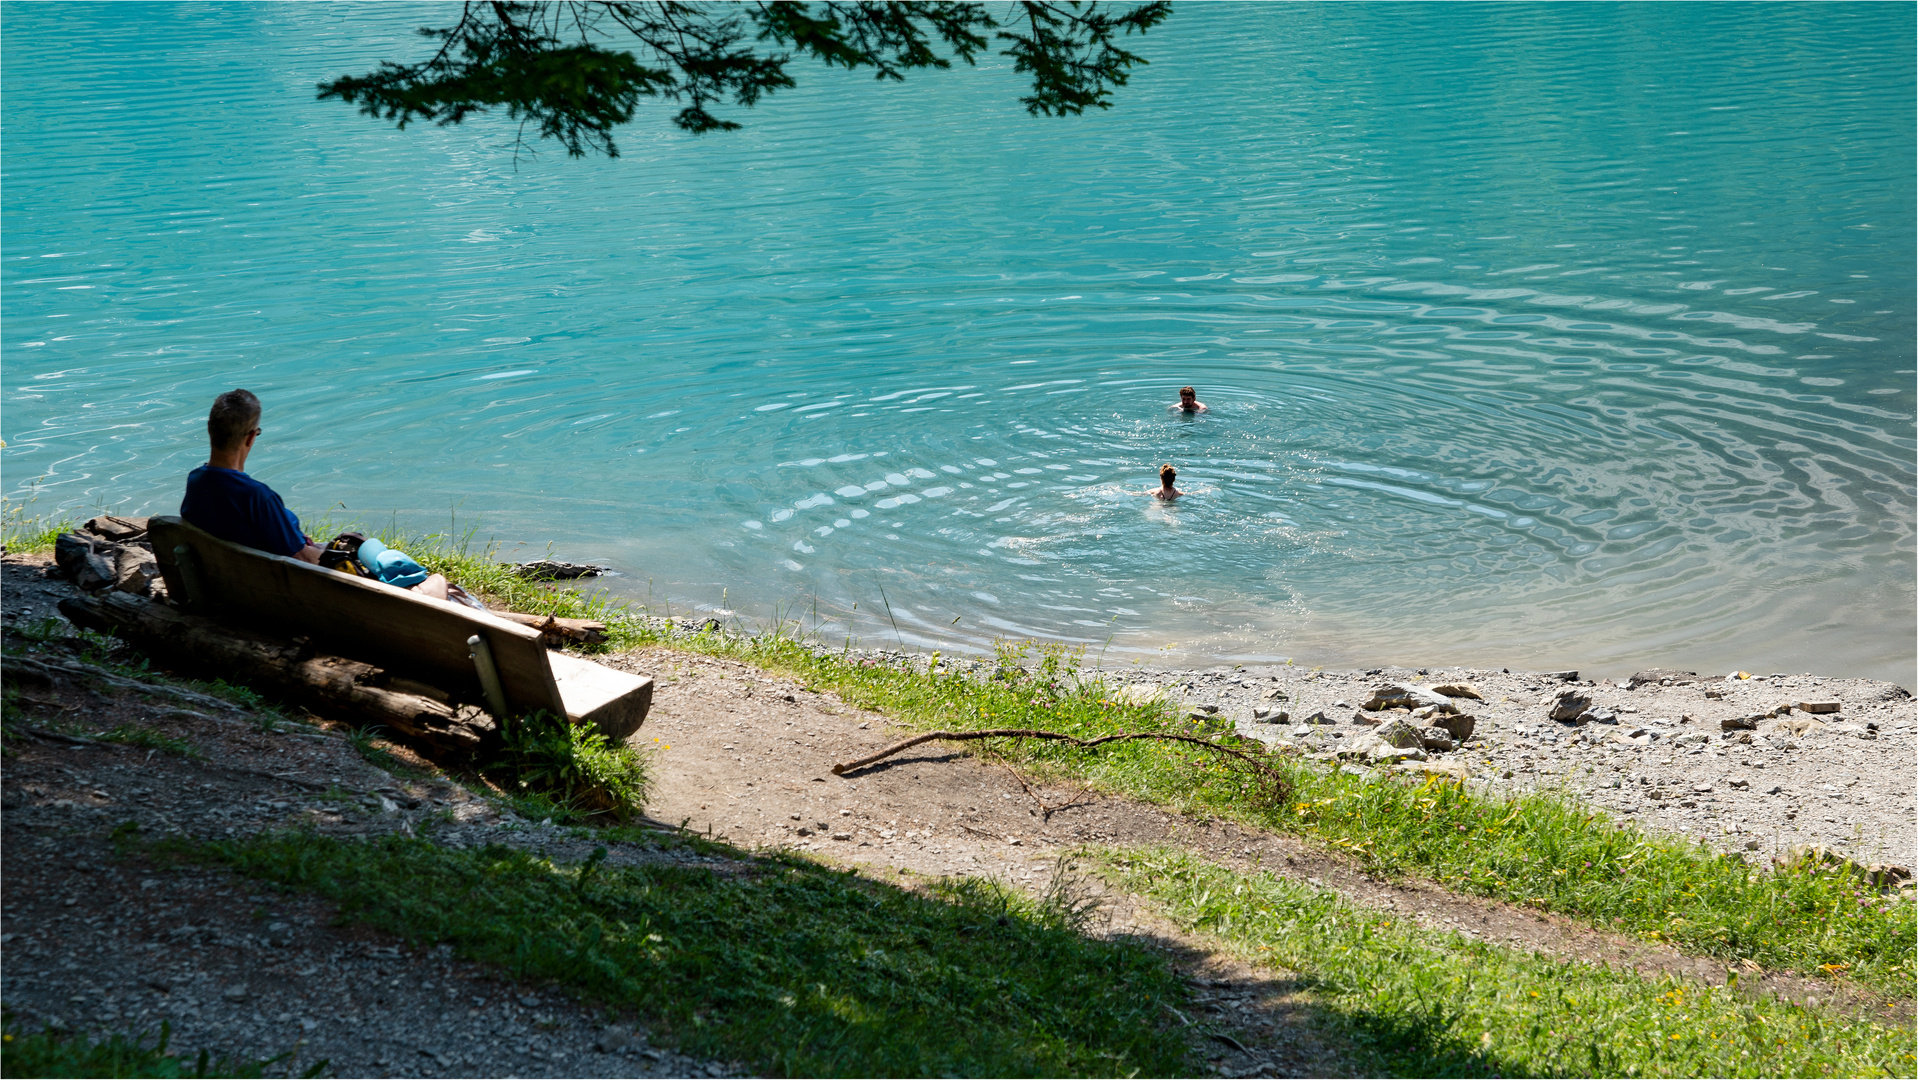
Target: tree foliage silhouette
576	70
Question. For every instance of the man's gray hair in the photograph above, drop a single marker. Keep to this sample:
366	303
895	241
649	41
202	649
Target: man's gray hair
235	414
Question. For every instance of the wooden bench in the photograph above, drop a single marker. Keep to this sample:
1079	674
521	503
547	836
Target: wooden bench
469	655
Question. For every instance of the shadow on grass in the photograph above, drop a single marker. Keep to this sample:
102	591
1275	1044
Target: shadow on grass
789	966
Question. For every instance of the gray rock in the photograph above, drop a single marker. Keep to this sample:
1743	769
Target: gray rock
1570	705
1661	676
1436	738
1400	734
1740	723
1459	726
135	570
1402	696
551	570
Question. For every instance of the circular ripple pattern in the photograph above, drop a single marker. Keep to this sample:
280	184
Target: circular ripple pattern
1543	335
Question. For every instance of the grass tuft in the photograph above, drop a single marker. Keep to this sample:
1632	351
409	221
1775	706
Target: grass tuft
570	767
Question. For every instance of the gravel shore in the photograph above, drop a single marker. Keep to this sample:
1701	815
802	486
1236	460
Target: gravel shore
1841	779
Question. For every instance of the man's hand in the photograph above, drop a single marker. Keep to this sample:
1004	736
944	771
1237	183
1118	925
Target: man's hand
309	553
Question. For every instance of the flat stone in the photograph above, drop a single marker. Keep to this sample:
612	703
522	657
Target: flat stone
1662	676
1819	706
1740	723
1448	769
1400	695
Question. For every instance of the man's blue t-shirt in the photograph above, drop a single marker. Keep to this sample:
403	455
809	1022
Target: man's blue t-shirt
233	506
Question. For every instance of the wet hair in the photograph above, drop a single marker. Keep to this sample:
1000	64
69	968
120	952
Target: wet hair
1187	391
234	416
1167	473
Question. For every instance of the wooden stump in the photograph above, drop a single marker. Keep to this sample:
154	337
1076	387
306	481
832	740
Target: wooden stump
331	685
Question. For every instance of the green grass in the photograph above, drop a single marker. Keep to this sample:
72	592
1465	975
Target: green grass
799	969
56	1053
1539	849
1419	1002
27	534
571	767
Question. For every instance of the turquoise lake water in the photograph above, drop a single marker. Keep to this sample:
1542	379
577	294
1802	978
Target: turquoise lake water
1565	336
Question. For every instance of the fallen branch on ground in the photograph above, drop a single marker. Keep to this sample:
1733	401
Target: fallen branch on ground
1277	788
46	668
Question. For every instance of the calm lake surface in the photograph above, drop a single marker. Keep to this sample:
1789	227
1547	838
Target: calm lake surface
1567	335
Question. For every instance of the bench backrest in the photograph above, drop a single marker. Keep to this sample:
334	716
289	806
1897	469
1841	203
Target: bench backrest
401	631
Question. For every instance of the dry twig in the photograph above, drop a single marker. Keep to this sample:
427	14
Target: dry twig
1276	788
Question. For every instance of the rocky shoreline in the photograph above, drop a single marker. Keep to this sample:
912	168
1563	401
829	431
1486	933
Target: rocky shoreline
1736	761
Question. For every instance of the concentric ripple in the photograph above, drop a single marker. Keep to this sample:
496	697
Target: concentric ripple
1544	335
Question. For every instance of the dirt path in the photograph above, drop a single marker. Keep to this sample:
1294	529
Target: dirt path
748	756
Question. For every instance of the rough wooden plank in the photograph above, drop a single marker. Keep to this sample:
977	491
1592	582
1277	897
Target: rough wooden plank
615	701
359	618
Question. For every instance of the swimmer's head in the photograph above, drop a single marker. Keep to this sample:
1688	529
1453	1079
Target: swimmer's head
1167	474
1186	393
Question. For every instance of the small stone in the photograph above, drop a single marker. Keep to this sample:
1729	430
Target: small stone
842	836
612	1040
1702	788
236	992
1436	738
1598	716
803	831
1739	723
1569	706
1460	726
1741	782
1458	690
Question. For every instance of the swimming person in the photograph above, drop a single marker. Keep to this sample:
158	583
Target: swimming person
1165	490
1188	402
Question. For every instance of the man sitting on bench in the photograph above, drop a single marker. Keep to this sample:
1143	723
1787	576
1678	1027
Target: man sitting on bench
223	500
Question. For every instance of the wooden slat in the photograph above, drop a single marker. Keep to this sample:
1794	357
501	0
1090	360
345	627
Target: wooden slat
355	617
615	701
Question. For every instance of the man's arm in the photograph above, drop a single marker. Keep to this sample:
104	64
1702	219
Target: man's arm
309	553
